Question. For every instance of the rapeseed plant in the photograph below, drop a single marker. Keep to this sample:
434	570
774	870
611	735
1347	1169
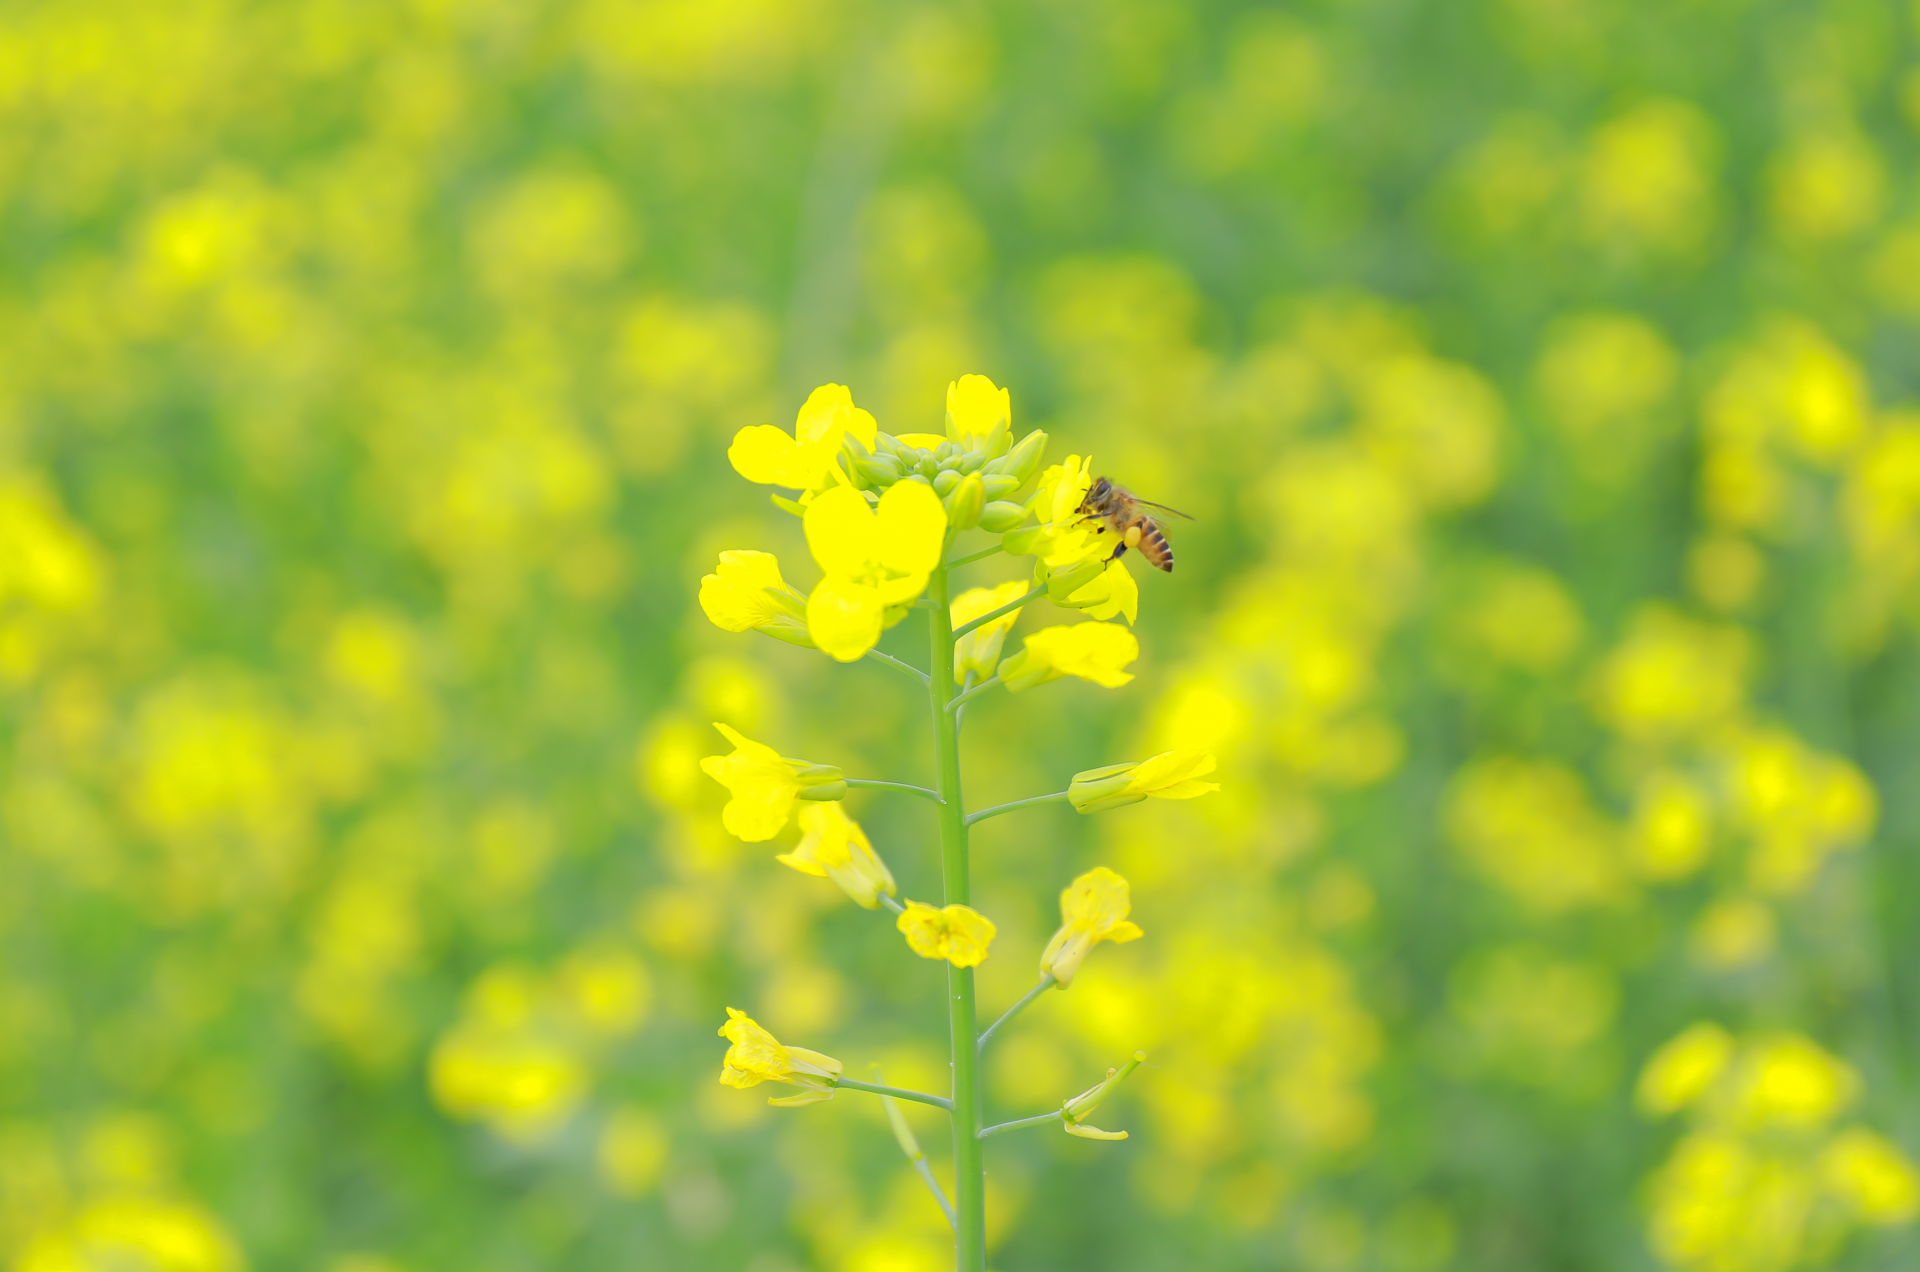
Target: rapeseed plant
883	514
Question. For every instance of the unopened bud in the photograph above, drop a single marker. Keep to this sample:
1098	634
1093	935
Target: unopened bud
1023	461
1063	583
1001	515
965	504
944	482
819	781
878	470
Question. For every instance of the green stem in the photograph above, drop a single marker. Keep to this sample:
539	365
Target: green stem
921	791
1046	983
890	903
1040	1120
969	1156
1008	608
981	555
918	1097
998	809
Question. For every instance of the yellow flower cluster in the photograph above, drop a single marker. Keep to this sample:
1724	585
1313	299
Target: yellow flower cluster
1764	1180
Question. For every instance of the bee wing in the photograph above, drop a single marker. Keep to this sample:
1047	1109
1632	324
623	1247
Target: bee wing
1162	507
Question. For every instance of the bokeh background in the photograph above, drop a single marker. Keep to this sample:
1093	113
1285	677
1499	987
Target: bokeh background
1541	374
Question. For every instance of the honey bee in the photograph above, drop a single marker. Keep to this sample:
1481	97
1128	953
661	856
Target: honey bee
1120	509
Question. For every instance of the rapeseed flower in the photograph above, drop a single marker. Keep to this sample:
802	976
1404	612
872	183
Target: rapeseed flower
747	592
1093	908
1169	775
957	933
756	1056
808	460
765	785
832	846
1077	1108
1063	535
1091	651
979	415
1101	589
877	561
978	651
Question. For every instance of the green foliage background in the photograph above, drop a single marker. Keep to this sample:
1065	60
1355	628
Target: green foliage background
1541	375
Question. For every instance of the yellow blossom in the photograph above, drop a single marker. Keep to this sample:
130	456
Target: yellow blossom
1064	535
877	562
979	416
1873	1178
1684	1070
748	592
1099	589
764	786
756	1056
1093	908
1091	651
978	651
832	846
1169	775
808	459
957	933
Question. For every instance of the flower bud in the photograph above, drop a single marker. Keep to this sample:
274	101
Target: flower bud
1000	515
965	503
926	465
1000	485
1023	461
972	462
944	481
1169	775
879	471
888	444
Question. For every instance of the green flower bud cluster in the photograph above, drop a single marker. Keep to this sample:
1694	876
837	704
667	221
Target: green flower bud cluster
979	485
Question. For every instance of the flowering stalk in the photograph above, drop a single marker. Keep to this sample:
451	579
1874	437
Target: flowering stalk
881	515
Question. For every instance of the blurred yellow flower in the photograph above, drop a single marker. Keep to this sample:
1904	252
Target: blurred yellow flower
1169	775
1872	1177
1788	1081
832	846
978	652
1684	1070
764	786
979	416
132	1232
756	1056
1093	908
808	459
520	1081
957	933
877	562
1091	651
747	592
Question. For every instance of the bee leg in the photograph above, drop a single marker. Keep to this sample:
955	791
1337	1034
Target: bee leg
1119	550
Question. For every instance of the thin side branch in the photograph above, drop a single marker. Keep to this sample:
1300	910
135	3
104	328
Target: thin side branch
1046	983
890	903
998	809
960	700
918	1097
908	787
903	1135
891	661
1041	1120
1006	609
977	556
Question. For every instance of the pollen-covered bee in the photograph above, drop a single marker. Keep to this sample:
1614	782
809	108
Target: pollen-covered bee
1120	509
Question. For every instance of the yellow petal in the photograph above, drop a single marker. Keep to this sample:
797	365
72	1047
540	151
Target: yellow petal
1097	899
1169	768
979	409
762	453
845	618
841	532
823	418
956	933
735	598
928	442
910	529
